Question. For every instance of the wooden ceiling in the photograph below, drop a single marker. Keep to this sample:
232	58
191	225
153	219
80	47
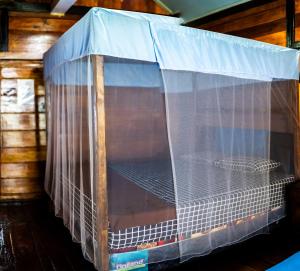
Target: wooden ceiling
191	10
148	6
265	22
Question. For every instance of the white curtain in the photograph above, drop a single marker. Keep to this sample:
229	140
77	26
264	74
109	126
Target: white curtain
195	161
219	136
71	159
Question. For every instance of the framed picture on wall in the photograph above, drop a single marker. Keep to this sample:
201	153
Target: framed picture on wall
17	95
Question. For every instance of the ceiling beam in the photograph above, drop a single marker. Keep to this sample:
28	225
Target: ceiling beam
23	6
227	12
17	6
78	10
60	7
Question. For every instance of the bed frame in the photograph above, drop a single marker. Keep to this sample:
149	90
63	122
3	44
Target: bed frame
102	218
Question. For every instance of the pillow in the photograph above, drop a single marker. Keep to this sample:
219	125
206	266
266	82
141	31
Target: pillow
247	164
201	158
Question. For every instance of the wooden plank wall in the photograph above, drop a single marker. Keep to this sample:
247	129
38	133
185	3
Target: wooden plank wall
264	23
22	134
32	34
147	6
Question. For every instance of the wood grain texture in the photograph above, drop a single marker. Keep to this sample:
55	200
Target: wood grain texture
264	13
21	197
135	5
22	135
20	186
263	23
23	154
31	35
148	6
23	139
28	41
278	38
101	182
19	170
296	102
40	24
24	72
25	121
21	56
255	19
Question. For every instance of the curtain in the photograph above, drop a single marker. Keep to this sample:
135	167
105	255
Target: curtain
195	161
219	135
71	159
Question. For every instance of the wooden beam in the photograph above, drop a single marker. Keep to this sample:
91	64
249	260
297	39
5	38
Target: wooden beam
20	56
297	131
296	45
266	29
261	30
249	20
78	10
4	30
32	24
25	7
40	8
60	7
235	10
42	15
274	38
101	181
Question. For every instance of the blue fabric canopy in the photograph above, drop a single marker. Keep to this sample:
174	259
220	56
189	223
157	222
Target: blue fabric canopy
162	39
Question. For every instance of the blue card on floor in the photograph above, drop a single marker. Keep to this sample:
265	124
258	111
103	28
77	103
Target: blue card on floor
135	261
290	264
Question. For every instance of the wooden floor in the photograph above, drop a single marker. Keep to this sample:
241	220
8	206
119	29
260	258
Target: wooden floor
31	238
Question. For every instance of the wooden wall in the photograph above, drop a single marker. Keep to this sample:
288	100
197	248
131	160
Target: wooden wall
22	134
265	23
32	34
148	6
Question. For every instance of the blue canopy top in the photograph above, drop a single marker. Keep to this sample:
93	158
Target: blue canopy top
162	39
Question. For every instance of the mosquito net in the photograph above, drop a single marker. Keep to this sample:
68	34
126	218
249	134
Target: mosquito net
200	130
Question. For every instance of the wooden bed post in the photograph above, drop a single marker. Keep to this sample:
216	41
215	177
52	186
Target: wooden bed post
101	182
297	133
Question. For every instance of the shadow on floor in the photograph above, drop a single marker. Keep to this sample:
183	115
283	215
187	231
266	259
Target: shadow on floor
32	238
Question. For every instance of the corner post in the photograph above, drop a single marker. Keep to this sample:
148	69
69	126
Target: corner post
101	175
290	23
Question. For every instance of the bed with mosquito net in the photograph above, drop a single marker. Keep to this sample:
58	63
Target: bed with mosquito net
200	137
